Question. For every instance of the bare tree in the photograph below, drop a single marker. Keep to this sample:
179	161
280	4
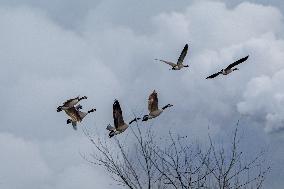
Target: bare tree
134	169
141	160
231	169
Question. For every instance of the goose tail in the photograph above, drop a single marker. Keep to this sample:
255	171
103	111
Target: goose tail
74	124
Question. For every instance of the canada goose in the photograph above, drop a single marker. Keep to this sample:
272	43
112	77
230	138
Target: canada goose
70	103
119	124
179	65
154	111
229	69
76	115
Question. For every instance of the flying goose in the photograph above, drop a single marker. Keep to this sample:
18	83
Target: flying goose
70	103
229	69
76	115
154	111
179	65
119	124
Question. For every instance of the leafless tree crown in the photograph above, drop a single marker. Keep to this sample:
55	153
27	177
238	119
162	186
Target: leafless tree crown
141	161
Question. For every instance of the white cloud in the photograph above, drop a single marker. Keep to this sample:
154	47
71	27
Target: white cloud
83	175
52	164
264	99
21	163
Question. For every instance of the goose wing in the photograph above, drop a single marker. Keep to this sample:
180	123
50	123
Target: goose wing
237	62
213	75
117	114
167	62
182	55
82	114
67	102
73	113
153	101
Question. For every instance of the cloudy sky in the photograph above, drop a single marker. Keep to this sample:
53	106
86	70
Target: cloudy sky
54	50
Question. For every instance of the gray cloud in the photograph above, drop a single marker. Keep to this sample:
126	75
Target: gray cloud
21	160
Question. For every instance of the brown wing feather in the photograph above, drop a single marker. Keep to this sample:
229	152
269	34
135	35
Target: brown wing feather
73	114
117	114
153	102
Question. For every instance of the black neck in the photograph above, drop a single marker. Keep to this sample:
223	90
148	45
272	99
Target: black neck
135	119
168	105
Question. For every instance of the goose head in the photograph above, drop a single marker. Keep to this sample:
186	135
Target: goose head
170	105
236	69
186	66
59	109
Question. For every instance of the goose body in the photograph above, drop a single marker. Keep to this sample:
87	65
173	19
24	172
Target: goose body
119	125
229	69
73	112
179	65
226	72
76	116
154	111
70	103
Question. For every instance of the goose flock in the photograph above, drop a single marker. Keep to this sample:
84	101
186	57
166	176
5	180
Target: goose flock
73	109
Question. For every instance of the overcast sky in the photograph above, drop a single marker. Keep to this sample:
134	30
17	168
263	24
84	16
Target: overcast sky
51	51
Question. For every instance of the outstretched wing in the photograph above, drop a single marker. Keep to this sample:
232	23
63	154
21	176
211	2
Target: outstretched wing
73	113
167	62
117	114
182	55
213	75
237	62
67	102
82	114
153	102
